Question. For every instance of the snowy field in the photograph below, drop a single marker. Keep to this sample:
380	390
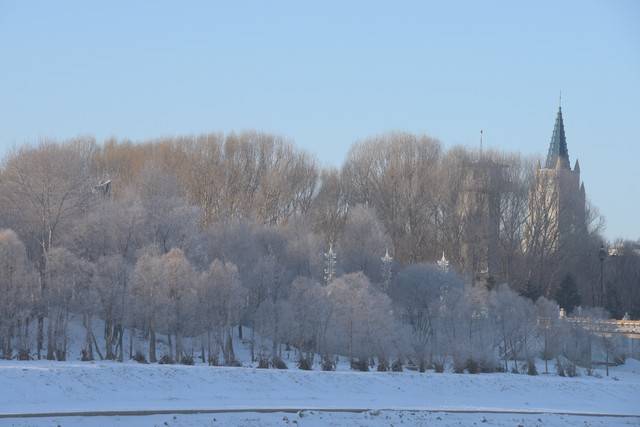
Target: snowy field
322	419
390	398
378	398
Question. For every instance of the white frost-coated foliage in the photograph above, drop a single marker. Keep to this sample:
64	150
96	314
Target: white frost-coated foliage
362	318
17	291
205	237
220	301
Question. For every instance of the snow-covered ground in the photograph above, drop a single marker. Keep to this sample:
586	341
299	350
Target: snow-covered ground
322	419
44	386
387	398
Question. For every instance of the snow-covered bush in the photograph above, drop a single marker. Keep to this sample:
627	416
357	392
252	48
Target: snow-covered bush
263	363
305	363
166	360
361	365
278	363
328	364
187	360
139	357
383	364
472	366
396	366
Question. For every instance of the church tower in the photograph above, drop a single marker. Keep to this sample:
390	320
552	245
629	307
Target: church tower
557	199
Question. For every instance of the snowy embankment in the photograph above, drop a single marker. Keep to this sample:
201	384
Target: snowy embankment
42	386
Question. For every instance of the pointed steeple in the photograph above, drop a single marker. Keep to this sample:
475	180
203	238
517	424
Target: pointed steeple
558	146
576	167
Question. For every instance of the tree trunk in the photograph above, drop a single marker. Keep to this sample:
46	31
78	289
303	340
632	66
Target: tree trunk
131	343
152	346
120	343
108	338
253	354
179	349
7	347
40	338
229	354
50	340
95	342
170	346
88	342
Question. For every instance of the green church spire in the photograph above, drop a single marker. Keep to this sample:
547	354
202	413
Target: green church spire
558	146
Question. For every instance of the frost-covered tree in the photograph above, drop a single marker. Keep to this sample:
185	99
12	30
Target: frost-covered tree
17	287
549	329
421	293
45	189
69	287
311	313
513	317
180	287
168	221
112	285
221	299
149	300
362	319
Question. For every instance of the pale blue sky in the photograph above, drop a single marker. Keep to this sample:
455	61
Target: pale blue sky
329	74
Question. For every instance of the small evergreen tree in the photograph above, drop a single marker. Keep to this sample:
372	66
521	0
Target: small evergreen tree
567	294
531	291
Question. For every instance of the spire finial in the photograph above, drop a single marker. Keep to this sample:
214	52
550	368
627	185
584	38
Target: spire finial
480	141
560	100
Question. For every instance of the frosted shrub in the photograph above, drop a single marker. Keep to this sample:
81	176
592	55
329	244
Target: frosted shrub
305	363
560	368
263	363
459	365
360	365
187	360
383	364
139	357
487	366
571	370
278	363
166	360
328	364
233	363
472	366
213	360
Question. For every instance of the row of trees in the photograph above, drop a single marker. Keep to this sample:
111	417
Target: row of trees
427	316
194	236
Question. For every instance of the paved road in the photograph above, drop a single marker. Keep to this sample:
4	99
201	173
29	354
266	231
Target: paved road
147	412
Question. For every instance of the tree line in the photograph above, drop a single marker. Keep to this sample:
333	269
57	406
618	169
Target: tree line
192	237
